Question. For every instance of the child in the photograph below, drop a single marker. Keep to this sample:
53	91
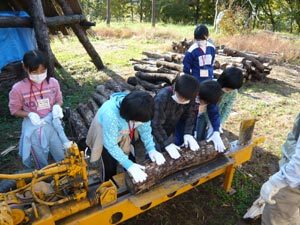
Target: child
199	58
171	105
38	100
230	80
113	127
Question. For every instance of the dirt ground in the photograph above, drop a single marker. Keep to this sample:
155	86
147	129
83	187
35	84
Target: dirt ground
208	204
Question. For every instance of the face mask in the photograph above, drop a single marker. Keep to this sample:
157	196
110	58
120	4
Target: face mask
175	98
39	78
137	123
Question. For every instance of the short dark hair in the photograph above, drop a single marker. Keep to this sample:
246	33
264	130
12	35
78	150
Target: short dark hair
137	106
187	86
210	91
33	59
200	32
231	77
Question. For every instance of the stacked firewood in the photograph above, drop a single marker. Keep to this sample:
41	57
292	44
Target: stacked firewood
254	66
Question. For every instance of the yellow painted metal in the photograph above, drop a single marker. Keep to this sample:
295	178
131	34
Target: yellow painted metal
6	217
18	215
107	192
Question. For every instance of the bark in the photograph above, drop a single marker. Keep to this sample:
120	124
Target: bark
102	90
168	65
236	53
147	85
99	99
153	69
113	86
93	106
156	77
154	55
78	126
82	36
86	114
188	159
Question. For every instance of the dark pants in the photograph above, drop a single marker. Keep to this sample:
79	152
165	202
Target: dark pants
110	164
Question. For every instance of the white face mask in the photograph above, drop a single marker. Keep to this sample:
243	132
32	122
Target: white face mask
39	78
175	98
137	123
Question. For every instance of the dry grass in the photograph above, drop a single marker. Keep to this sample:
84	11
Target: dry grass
282	47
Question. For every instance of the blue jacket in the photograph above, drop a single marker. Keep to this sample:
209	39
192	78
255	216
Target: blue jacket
195	59
114	127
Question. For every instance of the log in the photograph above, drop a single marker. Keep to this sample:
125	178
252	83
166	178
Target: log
78	126
125	86
93	106
113	85
154	55
152	62
86	114
236	53
17	21
168	65
102	90
147	85
156	77
188	159
153	69
41	33
99	99
82	36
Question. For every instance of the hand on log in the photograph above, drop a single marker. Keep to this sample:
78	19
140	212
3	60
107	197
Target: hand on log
187	159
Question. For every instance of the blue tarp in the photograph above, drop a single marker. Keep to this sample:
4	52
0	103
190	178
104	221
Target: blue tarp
14	42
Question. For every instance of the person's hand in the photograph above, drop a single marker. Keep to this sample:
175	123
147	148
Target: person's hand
137	172
35	119
157	157
57	112
268	190
189	141
172	149
218	143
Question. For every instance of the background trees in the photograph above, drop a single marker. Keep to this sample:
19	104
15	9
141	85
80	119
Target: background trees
239	15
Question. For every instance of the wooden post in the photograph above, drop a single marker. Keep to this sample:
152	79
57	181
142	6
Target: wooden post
153	17
82	36
41	33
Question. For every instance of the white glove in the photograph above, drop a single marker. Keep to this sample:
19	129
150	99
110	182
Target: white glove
157	157
57	112
210	130
256	209
268	190
172	149
218	143
137	172
35	119
189	141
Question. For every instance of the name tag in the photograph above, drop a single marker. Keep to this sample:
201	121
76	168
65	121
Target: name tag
43	104
203	73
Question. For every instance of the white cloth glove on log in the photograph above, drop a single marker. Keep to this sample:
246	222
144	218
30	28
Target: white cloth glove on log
189	141
57	112
35	119
157	157
137	172
172	149
218	143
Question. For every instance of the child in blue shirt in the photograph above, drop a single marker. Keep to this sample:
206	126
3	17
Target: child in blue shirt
113	128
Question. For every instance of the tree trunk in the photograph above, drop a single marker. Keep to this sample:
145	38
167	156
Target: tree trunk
153	17
82	36
41	33
188	159
108	13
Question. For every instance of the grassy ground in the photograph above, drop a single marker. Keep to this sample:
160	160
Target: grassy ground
273	102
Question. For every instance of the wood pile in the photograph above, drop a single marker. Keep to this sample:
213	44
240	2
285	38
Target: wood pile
254	66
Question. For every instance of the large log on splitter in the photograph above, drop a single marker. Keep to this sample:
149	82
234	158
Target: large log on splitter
188	159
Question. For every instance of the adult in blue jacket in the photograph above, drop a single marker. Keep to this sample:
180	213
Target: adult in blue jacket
113	128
